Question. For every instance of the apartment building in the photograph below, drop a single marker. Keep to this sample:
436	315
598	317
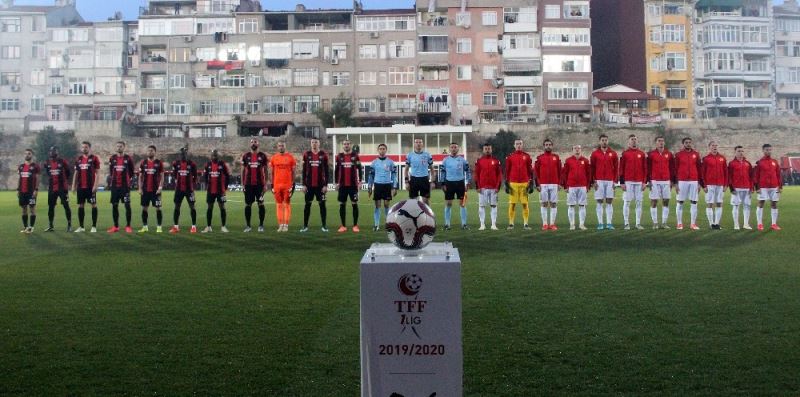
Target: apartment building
733	58
668	53
23	59
787	56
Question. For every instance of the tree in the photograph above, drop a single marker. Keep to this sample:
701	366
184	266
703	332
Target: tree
502	144
341	108
65	142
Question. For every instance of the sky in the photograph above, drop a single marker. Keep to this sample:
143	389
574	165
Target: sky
100	10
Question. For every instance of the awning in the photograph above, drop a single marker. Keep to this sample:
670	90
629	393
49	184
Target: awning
719	3
625	96
522	65
266	124
434	65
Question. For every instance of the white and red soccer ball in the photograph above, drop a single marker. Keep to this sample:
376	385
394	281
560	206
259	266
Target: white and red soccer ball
411	224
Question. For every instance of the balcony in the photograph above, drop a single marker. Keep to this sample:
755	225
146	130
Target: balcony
676	103
434	107
522	81
153	67
522	53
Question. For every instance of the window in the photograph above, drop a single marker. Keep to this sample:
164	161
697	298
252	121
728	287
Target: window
306	77
490	45
524	41
401	75
401	49
368	105
253	106
463	46
464	99
787	25
519	97
401	103
60	35
108	34
306	103
568	90
669	61
676	92
718	33
790	75
278	104
179	54
674	34
253	80
673	9
179	108
9	104
231	105
722	61
80	34
727	90
655	34
202	80
231	80
248	25
37	104
339	51
305	49
10	78
755	34
432	44
565	37
464	18
278	78
80	86
38	77
211	26
207	107
38	50
385	23
489	18
367	78
107	58
55	86
576	10
206	54
552	11
278	50
369	51
490	98
10	52
55	113
37	24
464	72
489	72
177	81
11	25
793	103
340	78
152	105
656	90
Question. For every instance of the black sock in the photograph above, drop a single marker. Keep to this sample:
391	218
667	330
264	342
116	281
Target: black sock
262	212
94	216
128	213
176	215
51	213
355	214
209	213
68	212
145	215
223	213
33	220
115	214
323	213
342	213
159	217
25	220
306	213
248	211
193	213
81	215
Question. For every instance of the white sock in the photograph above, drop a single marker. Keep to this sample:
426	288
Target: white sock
482	214
679	213
693	213
735	213
626	207
553	212
746	214
654	215
599	210
760	215
494	216
571	215
717	215
639	212
664	214
582	215
710	216
543	210
774	213
609	213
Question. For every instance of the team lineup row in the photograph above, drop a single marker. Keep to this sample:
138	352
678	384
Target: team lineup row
634	170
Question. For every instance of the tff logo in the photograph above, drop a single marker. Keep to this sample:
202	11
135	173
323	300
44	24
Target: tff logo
409	284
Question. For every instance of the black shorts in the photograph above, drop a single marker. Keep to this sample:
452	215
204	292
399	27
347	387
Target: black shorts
212	197
253	193
120	194
419	186
313	193
85	195
382	191
346	192
26	199
52	198
454	190
179	196
151	198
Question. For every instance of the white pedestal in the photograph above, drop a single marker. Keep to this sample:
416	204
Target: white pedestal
411	322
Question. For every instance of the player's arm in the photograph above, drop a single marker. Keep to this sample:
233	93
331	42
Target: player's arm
75	178
621	173
477	173
264	174
780	179
563	174
96	167
507	172
360	173
593	169
337	169
327	173
271	170
141	177
162	171
499	175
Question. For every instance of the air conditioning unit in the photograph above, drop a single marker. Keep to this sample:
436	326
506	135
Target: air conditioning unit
374	35
188	39
701	102
255	62
15	88
334	61
497	83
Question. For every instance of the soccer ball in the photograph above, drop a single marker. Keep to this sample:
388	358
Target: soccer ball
411	224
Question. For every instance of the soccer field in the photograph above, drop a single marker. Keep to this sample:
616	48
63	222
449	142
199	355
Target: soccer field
591	312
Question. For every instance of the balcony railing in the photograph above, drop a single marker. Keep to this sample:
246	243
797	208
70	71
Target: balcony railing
434	107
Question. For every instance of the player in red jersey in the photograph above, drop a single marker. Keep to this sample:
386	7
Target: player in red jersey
488	177
605	166
687	172
85	182
151	181
27	190
547	174
184	171
282	165
316	174
632	177
349	175
519	183
254	180
576	176
740	180
660	174
120	175
767	179
217	176
58	173
714	178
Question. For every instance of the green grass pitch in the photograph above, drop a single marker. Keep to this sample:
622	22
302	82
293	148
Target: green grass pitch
648	312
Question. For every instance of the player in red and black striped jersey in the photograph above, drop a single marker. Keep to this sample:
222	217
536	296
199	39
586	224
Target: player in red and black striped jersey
185	173
84	183
151	180
349	174
58	173
254	180
27	189
217	176
120	175
316	174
